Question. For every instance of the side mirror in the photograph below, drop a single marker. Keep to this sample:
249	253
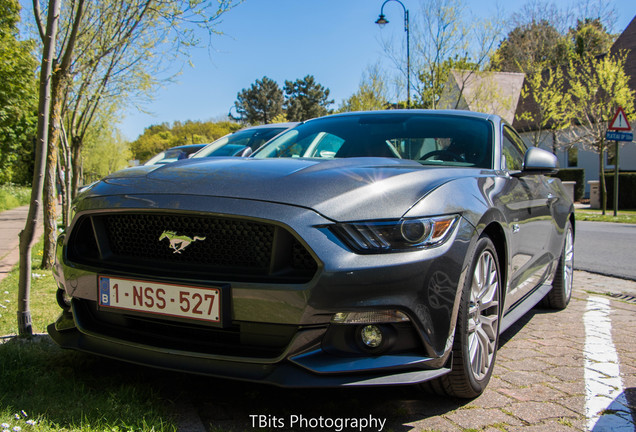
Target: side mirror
245	152
538	161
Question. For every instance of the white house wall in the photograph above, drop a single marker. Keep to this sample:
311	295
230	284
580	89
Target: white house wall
588	160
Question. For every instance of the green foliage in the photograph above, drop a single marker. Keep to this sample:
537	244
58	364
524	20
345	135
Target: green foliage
18	99
306	99
263	102
626	190
577	175
158	138
597	86
280	118
590	38
260	103
442	37
105	151
625	216
12	196
538	45
530	48
433	82
371	94
547	88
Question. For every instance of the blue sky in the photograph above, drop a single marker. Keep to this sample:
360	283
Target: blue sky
333	40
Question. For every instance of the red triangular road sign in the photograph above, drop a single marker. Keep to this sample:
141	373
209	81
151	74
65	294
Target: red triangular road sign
619	122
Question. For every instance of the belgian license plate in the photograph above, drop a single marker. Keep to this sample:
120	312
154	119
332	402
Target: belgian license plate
159	298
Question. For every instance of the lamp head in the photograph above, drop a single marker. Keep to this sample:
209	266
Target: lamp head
382	21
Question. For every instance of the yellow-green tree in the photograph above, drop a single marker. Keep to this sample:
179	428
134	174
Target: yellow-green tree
597	86
371	94
549	107
101	46
113	52
157	138
445	36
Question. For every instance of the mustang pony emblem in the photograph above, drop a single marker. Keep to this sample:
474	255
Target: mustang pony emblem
178	242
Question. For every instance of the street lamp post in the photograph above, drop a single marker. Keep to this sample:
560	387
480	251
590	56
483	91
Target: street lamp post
381	21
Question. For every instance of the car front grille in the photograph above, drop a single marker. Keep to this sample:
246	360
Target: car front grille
191	246
215	241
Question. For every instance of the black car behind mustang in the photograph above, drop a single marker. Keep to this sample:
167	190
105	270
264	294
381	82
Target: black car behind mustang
355	249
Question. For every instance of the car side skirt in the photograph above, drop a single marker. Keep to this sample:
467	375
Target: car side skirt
522	307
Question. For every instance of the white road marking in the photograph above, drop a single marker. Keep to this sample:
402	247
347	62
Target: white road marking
606	406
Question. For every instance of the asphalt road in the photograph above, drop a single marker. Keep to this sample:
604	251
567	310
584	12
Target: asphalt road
606	248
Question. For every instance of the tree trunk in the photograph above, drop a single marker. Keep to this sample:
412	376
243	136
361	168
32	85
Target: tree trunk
76	159
49	207
601	176
66	184
64	175
27	236
50	196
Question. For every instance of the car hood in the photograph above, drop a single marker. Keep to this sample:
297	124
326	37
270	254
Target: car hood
339	189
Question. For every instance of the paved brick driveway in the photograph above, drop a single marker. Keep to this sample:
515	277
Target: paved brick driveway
538	382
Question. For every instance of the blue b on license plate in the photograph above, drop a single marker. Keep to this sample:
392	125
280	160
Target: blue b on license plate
159	298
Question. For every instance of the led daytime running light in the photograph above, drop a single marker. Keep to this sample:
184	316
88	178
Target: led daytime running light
371	317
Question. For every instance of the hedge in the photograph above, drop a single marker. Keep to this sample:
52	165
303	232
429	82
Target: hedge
626	190
577	175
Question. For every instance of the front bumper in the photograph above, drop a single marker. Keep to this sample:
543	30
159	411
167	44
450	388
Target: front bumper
421	284
387	370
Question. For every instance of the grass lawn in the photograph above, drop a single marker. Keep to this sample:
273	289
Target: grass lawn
45	388
12	196
624	216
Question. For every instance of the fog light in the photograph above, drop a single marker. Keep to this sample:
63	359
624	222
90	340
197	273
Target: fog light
371	336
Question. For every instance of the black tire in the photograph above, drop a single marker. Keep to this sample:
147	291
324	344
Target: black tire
559	296
477	331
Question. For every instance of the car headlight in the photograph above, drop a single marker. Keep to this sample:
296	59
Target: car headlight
396	235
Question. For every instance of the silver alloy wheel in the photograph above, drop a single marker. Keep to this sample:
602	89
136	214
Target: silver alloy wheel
568	263
483	315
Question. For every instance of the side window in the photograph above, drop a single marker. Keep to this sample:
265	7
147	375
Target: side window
325	145
513	150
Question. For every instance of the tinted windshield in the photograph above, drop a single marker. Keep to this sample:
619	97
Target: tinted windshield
427	138
253	138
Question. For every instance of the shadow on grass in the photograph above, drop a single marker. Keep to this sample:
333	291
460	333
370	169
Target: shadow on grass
70	390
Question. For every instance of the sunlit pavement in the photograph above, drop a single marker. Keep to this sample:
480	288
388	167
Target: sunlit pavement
11	223
546	379
540	381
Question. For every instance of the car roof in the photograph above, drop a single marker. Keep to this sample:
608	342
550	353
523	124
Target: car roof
285	125
186	147
458	113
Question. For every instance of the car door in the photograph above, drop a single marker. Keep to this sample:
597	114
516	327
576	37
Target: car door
526	202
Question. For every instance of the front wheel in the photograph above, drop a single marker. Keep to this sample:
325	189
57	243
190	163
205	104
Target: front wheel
477	331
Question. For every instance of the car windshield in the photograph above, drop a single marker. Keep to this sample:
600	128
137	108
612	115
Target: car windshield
173	154
234	144
431	139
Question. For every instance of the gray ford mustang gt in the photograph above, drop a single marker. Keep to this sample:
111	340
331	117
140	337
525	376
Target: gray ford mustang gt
371	248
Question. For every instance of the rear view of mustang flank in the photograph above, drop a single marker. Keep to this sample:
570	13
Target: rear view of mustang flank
373	248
